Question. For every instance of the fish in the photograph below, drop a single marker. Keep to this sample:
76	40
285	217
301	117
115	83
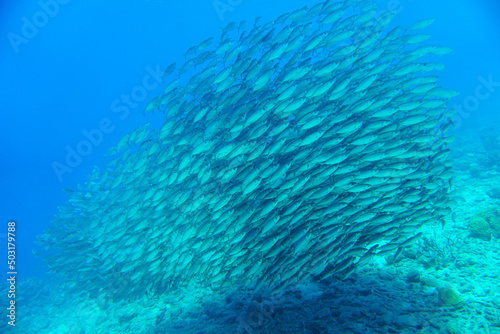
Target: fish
169	69
291	150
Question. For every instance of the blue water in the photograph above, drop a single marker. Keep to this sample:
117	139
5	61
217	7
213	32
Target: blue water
75	70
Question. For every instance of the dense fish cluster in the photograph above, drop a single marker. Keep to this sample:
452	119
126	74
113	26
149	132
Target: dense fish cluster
296	149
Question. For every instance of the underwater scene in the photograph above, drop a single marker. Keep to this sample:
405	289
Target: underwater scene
247	167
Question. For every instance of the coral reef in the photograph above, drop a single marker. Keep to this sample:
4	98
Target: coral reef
449	296
485	224
433	251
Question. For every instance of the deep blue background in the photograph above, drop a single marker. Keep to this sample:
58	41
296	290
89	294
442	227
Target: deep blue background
66	77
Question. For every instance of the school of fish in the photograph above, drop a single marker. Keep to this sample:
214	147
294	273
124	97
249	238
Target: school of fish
296	149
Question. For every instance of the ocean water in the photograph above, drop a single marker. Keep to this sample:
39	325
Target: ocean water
78	76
